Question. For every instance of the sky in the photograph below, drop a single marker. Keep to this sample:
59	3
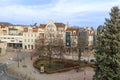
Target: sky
74	12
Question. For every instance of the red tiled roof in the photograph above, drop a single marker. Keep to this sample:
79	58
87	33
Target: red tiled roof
70	29
60	25
42	26
25	29
34	29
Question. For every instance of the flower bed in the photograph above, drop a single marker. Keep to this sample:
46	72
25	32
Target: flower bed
59	66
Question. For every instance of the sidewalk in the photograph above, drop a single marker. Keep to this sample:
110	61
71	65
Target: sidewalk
32	74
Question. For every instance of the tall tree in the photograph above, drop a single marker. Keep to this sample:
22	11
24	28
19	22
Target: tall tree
108	48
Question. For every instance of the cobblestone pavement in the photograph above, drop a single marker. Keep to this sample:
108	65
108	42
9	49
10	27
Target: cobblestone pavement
30	73
5	58
34	74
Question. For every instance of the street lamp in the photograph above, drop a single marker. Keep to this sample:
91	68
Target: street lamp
84	74
18	56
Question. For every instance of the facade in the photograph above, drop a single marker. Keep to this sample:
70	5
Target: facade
12	40
11	34
16	29
52	31
4	30
91	36
3	46
30	34
26	37
75	37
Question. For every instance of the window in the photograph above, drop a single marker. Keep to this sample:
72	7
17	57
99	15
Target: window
25	40
68	39
29	46
20	41
28	40
31	40
35	35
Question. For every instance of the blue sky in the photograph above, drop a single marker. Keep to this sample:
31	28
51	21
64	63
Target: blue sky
75	12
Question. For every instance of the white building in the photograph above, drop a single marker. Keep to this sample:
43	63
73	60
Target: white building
52	31
12	40
30	34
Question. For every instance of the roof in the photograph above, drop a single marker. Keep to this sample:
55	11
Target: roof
3	26
12	29
25	30
60	25
71	29
42	26
34	30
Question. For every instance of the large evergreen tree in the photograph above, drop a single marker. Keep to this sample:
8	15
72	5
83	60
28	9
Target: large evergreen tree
108	48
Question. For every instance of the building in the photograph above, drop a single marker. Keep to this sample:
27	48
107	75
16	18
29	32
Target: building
75	38
4	29
12	40
91	35
3	46
16	29
25	37
30	34
52	31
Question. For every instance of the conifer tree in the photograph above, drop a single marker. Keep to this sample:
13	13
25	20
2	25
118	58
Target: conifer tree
108	48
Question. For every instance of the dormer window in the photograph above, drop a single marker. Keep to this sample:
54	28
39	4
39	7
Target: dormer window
74	32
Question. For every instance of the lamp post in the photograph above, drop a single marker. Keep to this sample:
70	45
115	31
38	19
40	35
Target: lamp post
18	56
84	74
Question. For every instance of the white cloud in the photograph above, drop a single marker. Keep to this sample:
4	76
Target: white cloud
63	10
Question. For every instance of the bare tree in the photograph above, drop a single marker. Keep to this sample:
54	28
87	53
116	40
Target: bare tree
50	46
40	47
59	47
82	42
